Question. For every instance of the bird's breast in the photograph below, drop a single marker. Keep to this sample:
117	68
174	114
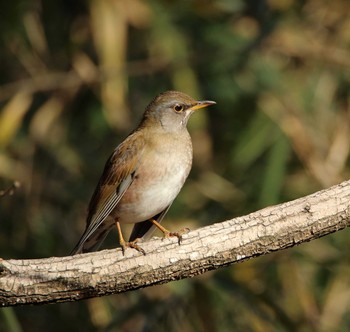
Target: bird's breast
161	174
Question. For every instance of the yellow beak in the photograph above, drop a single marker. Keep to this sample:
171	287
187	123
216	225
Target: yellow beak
201	104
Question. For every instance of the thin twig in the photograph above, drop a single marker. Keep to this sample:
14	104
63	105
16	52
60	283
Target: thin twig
10	190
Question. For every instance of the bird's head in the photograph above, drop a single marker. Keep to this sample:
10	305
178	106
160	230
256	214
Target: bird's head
172	109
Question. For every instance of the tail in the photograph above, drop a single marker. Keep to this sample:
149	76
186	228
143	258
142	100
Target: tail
142	230
91	243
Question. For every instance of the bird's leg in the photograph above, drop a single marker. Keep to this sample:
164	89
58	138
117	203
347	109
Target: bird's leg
167	233
124	244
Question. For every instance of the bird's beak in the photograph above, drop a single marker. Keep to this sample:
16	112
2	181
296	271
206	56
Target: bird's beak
201	104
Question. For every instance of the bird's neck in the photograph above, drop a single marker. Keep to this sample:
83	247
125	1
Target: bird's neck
159	127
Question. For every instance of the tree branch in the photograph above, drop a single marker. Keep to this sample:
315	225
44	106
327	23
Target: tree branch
60	279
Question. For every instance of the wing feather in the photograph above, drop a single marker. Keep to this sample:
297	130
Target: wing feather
118	175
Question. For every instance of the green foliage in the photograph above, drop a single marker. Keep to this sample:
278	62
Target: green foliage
75	78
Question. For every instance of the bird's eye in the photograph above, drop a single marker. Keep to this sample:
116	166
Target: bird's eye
178	108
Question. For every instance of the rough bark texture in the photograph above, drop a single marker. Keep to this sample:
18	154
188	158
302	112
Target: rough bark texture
59	279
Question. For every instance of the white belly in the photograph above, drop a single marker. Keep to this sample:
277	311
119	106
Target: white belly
154	187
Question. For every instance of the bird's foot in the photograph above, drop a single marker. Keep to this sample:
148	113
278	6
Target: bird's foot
177	234
131	244
167	233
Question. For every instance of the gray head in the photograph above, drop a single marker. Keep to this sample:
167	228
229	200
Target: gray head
172	109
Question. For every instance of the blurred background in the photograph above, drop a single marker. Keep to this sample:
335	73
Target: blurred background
75	77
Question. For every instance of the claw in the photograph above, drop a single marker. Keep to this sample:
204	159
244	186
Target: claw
133	245
167	233
177	234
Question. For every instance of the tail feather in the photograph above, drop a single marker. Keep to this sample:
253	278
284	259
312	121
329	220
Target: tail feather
92	243
142	230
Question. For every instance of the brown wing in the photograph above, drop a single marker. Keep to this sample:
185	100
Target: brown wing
118	174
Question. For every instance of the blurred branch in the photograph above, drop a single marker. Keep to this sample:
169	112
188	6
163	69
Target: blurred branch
56	279
323	154
72	79
291	44
10	190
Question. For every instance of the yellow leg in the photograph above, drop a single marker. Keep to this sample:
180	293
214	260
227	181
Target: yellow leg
125	244
168	233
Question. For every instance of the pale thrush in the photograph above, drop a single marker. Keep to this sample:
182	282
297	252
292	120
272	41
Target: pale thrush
144	174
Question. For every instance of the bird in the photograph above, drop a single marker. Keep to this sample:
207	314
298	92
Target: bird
143	175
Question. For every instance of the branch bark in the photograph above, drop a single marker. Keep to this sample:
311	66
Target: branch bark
61	279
